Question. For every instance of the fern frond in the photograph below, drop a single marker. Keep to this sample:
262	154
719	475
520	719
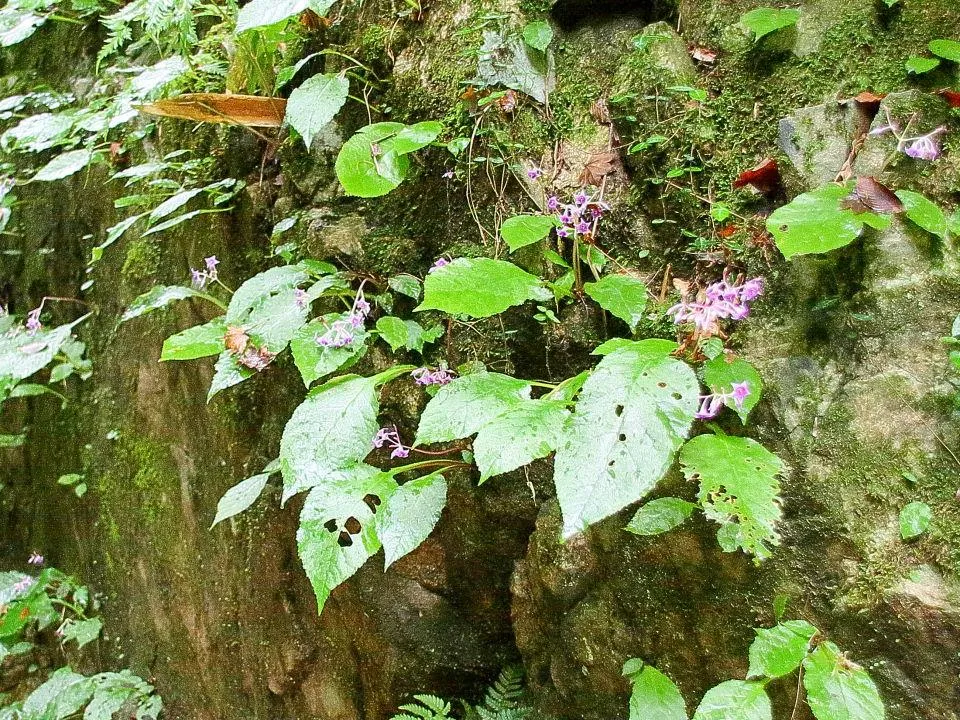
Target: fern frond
430	707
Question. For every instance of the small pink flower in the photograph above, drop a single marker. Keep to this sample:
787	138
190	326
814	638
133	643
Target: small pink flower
449	175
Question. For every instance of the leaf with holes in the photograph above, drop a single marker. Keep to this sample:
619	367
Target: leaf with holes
633	414
838	689
463	406
724	370
738	489
740	699
522	230
764	21
654	696
779	650
314	103
480	287
409	515
196	342
523	433
660	515
622	296
924	213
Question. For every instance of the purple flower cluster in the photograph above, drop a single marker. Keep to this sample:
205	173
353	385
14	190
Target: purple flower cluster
579	217
33	320
300	298
712	404
722	300
922	147
35	559
201	278
425	376
390	437
21	586
341	333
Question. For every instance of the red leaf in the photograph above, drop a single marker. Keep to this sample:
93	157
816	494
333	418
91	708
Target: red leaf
951	96
765	177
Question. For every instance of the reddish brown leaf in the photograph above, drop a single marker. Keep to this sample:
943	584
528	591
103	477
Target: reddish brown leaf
765	177
869	98
598	166
256	358
236	340
870	195
951	96
704	55
248	110
727	231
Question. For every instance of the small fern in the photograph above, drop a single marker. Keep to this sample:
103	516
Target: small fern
430	707
502	700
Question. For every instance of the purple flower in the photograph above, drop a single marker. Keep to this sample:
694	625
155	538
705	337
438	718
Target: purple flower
926	146
212	263
739	393
581	198
198	279
33	320
425	376
35	559
583	227
751	290
441	262
389	436
21	586
300	298
534	173
722	301
712	404
566	218
449	175
563	232
340	333
553	202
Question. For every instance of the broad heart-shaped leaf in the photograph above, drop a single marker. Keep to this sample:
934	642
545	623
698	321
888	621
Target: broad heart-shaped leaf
479	287
764	21
738	488
654	695
633	414
196	342
466	404
926	214
252	292
723	371
947	49
259	13
63	166
523	433
522	230
409	515
22	354
660	515
227	372
740	699
779	650
914	520
240	497
622	296
62	695
815	222
156	298
838	689
538	35
331	547
332	429
275	320
313	360
314	103
373	162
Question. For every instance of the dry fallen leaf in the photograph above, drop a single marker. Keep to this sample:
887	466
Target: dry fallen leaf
236	340
598	166
951	96
765	177
704	55
872	195
247	110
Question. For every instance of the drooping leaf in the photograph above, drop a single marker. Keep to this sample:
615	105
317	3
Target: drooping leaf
63	166
538	35
633	414
838	689
915	519
314	103
721	372
240	497
660	515
947	49
409	515
924	213
246	110
82	631
779	650
479	287
374	161
738	488
622	296
764	21
313	360
505	59
156	298
173	203
260	13
654	696
196	342
22	353
522	230
521	434
740	699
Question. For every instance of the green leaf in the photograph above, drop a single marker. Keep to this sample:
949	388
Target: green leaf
240	497
740	699
633	414
522	230
406	285
259	13
12	441
406	333
63	166
924	213
815	222
276	320
172	204
654	695
313	360
838	689
538	35
779	650
332	429
723	371
196	342
479	287
919	65
261	286
156	298
915	519
16	25
227	372
22	353
622	296
82	631
463	406
409	515
660	515
738	489
523	433
373	162
764	21
947	49
314	103
62	695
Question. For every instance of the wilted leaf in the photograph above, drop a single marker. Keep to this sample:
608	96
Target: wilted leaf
765	177
246	110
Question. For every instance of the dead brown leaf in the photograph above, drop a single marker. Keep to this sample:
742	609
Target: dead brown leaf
246	110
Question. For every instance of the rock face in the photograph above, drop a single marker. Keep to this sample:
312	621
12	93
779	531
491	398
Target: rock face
857	399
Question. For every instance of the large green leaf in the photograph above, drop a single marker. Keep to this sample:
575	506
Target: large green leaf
313	360
62	695
260	13
724	370
622	296
947	49
275	320
633	414
735	700
261	286
925	213
779	650
409	515
196	342
479	287
465	405
660	515
654	696
314	103
765	20
738	488
518	436
374	161
522	230
63	166
838	689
